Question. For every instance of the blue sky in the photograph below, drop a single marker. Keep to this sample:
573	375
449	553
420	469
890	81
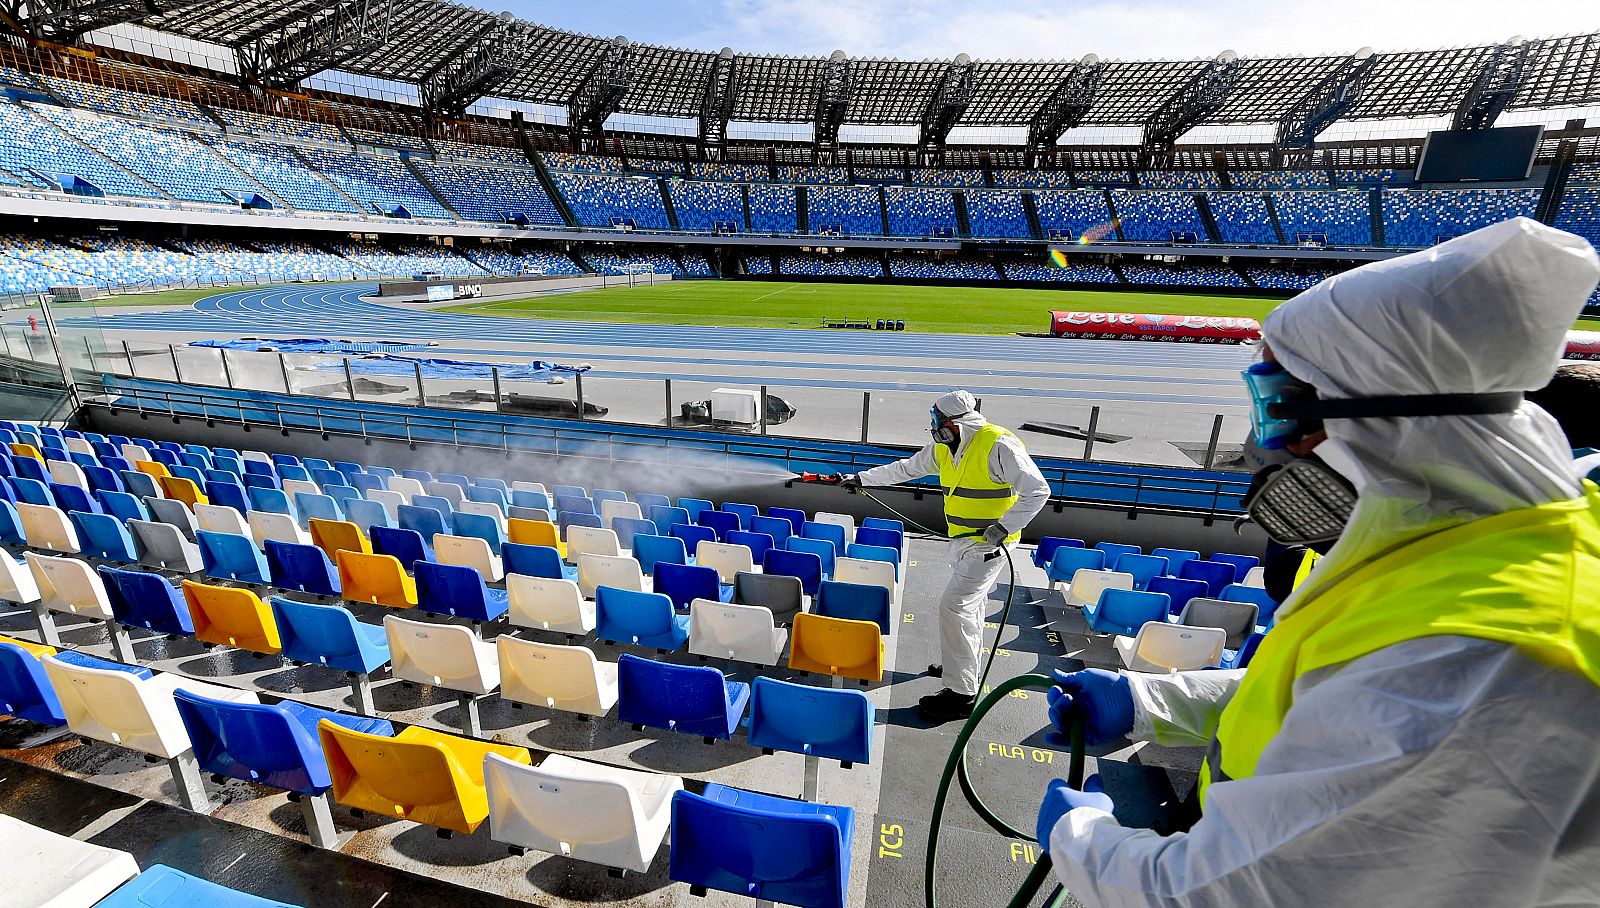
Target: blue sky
1031	29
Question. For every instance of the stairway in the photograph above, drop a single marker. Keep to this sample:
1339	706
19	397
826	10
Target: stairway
1030	207
1272	214
963	220
364	209
666	202
432	189
1375	211
802	216
1208	217
549	185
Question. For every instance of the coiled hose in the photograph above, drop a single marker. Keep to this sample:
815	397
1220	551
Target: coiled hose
955	766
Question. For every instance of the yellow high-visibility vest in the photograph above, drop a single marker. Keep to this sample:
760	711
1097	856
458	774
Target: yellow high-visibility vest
972	500
1526	577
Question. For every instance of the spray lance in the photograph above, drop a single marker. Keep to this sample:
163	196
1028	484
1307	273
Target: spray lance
955	768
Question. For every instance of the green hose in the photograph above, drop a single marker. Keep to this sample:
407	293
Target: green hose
956	765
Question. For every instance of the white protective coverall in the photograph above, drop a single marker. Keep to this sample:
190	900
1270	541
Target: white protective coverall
975	565
1444	770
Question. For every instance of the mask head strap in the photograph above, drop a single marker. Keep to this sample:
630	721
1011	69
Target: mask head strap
1397	406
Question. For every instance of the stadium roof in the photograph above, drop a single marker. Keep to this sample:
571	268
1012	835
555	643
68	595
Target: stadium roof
425	35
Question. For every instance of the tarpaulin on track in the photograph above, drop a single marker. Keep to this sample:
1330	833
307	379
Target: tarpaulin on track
385	364
312	345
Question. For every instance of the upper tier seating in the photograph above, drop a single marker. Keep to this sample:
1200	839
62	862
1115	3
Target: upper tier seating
1156	216
915	211
127	103
1076	272
1343	216
945	269
946	176
851	210
1035	179
484	193
831	265
730	172
1424	217
278	168
703	205
279	127
380	182
1242	217
509	155
788	173
773	209
1187	276
1179	179
1072	213
30	142
1279	179
604	200
181	166
996	213
581	163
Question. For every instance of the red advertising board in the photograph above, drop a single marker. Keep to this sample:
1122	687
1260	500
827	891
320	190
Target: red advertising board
1583	345
1184	329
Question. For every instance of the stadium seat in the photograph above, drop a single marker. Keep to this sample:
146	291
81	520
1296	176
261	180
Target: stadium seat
1256	576
855	601
25	691
1124	610
780	594
1088	583
642	619
1162	647
1215	574
692	534
547	603
225	556
870	571
720	522
1175	558
426	522
335	536
220	519
535	532
457	591
618	571
47	528
1115	550
421	775
694	700
814	721
651	551
176	513
1144	568
807	566
408	546
1238	620
367	514
627	528
16	581
181	489
266	526
69	586
162	545
469	551
746	512
601	814
1180	591
490	527
800	857
303	568
727	559
743	633
684	583
567	678
832	532
1238	592
122	506
836	646
779	528
329	635
583	540
147	600
48	870
665	518
378	579
1241	563
536	561
824	549
231	616
758	544
612	509
103	536
882	538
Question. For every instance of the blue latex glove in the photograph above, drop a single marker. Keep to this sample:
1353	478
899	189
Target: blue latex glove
1059	797
1103	697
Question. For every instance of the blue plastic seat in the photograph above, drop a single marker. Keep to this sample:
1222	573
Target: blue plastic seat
349	468
321	507
32	491
746	512
480	526
576	504
888	539
367	482
1241	563
795	517
103	536
721	522
114	464
427	522
835	724
7	490
566	519
449	589
523	498
1180	591
779	528
824	549
600	495
226	556
272	501
1046	548
228	463
1215	574
648	500
805	565
694	506
29	468
1115	550
329	635
283	460
10	525
692	699
1265	604
258	468
874	553
73	498
316	463
642	619
650	551
293	471
422	476
183	471
628	527
665	518
575	491
102	479
1125	611
829	531
25	690
229	494
1068	560
102	448
1144	568
489	495
692	535
194	461
342	494
260	481
536	561
757	543
301	567
275	745
1241	657
382	472
490	482
367	514
1175	558
762	846
216	475
160	886
684	583
405	545
122	506
437	502
855	601
150	601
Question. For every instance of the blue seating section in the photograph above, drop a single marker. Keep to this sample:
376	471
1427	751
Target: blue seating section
1153	216
182	167
923	267
1413	217
379	183
915	211
773	209
1242	217
997	213
1179	179
849	210
1184	276
480	192
602	200
31	146
1343	216
1279	179
1070	214
840	265
702	205
801	857
1049	272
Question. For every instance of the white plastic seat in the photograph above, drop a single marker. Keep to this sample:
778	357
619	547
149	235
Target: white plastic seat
469	551
257	456
293	487
221	518
135	453
67	473
550	604
868	573
1088	584
727	558
601	814
523	485
121	708
1256	576
16	581
841	520
590	541
79	445
70	586
161	545
611	509
449	491
391	501
46	870
743	633
441	655
47	528
1163	647
266	525
486	508
569	678
404	485
620	571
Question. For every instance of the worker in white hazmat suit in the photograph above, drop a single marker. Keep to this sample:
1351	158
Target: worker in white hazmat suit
1421	725
992	490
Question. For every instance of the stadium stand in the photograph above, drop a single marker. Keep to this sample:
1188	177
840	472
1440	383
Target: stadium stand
1179	179
610	261
792	173
581	163
997	213
468	151
656	167
850	210
490	193
1368	176
1242	217
281	170
950	176
758	264
1102	177
708	206
1580	203
1340	217
1157	216
773	209
830	266
1279	179
379	182
405	259
878	174
1184	276
106	99
606	200
1072	213
1034	179
1269	278
1424	217
32	147
915	211
1049	272
497	260
279	128
923	267
377	139
730	172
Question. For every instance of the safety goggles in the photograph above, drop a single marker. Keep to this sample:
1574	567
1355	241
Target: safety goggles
1270	384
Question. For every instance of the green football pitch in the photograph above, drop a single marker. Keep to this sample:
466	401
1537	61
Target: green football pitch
771	304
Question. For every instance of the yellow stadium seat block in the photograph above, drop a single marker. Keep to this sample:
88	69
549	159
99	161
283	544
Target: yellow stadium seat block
535	532
836	646
231	616
23	449
335	536
154	468
37	649
181	489
367	577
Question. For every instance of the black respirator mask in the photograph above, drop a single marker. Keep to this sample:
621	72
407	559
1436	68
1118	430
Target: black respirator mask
1301	500
944	429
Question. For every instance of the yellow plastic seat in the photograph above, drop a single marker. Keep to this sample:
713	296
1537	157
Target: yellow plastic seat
535	532
335	536
381	579
836	646
23	449
37	649
182	489
155	468
421	775
231	616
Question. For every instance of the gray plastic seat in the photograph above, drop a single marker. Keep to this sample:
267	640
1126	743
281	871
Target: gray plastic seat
779	592
162	545
174	512
1238	619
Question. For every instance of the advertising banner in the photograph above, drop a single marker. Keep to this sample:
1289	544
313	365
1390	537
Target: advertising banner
1186	329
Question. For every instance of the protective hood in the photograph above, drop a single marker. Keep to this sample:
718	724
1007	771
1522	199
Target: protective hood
962	408
1482	313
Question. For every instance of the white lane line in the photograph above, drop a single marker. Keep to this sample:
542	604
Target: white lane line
775	292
